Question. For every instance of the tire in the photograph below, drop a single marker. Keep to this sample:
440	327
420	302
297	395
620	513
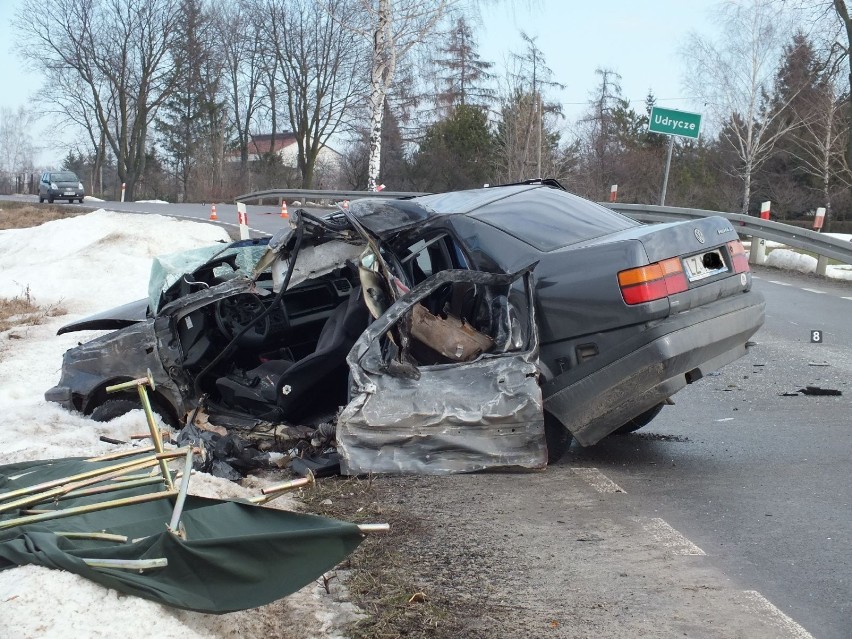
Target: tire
40	200
113	408
557	437
49	199
640	421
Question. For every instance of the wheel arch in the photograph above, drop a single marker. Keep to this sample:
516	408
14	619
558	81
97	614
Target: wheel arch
99	395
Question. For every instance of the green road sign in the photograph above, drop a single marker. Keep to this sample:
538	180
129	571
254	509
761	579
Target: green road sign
672	122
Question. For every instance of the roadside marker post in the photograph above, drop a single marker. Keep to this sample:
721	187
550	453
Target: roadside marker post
819	218
822	260
123	185
242	219
613	192
764	209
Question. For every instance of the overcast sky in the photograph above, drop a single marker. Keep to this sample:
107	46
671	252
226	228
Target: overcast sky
639	39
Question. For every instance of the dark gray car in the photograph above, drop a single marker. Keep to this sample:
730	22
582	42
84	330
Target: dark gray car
60	185
500	315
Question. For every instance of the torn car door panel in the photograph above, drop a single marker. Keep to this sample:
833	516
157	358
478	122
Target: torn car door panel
449	417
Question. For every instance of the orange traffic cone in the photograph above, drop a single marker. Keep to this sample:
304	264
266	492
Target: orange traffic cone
213	212
284	209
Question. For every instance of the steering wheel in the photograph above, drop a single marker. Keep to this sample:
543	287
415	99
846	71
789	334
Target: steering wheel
234	313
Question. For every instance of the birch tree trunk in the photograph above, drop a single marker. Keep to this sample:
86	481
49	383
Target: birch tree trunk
381	76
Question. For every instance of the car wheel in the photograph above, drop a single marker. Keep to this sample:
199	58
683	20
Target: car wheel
113	408
40	200
50	200
641	420
557	437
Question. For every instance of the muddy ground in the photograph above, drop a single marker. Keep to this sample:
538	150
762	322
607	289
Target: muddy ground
527	555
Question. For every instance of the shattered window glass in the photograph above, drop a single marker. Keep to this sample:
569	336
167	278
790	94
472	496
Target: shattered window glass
225	262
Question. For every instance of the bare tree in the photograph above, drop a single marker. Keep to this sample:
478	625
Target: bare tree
526	137
16	146
242	33
321	62
735	76
119	50
395	26
843	14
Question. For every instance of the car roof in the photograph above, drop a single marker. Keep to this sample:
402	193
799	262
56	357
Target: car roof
540	214
385	217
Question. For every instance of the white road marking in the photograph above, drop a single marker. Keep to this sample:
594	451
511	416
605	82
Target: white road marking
725	419
597	480
761	604
670	538
813	290
847	298
779	283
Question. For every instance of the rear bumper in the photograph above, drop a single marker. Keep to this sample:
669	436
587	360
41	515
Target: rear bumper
65	194
697	342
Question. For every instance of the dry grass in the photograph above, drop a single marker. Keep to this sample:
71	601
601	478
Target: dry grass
382	582
19	215
22	310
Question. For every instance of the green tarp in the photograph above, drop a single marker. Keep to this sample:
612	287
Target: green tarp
236	555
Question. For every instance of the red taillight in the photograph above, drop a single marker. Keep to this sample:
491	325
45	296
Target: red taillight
739	260
652	282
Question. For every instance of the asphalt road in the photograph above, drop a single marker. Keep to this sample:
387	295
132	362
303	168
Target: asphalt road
758	480
262	220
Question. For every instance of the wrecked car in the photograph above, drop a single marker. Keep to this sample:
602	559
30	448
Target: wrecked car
459	331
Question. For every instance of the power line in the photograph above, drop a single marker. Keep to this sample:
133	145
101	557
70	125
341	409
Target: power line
643	100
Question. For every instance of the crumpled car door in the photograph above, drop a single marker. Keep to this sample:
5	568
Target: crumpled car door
451	417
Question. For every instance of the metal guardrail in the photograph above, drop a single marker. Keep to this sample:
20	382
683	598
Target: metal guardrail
307	194
786	234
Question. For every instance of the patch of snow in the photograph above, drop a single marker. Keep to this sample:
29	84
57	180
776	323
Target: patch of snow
793	261
92	198
88	264
151	202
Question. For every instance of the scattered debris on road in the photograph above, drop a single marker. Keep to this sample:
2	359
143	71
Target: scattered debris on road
816	390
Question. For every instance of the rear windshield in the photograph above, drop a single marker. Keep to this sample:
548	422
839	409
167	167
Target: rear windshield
65	176
549	219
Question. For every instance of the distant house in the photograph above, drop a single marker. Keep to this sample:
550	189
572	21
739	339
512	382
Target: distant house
285	147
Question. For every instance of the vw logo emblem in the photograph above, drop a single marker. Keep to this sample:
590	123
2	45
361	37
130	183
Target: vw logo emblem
699	235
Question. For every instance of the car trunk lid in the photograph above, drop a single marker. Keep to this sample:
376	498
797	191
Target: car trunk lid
708	250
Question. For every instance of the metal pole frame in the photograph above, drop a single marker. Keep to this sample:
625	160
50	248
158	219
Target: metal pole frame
666	174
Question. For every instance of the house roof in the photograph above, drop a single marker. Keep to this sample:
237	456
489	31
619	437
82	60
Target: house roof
261	144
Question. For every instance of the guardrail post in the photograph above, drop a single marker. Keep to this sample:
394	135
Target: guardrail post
757	252
822	262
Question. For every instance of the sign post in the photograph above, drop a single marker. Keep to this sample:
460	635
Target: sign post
672	122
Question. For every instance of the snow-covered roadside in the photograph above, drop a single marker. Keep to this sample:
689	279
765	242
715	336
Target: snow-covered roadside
784	258
87	264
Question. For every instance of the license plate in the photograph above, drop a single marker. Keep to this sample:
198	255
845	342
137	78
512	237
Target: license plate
69	192
704	265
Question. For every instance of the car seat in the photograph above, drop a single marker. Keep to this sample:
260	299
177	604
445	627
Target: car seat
317	381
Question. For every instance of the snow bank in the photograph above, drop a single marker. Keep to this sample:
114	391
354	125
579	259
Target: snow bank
88	264
151	202
792	261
